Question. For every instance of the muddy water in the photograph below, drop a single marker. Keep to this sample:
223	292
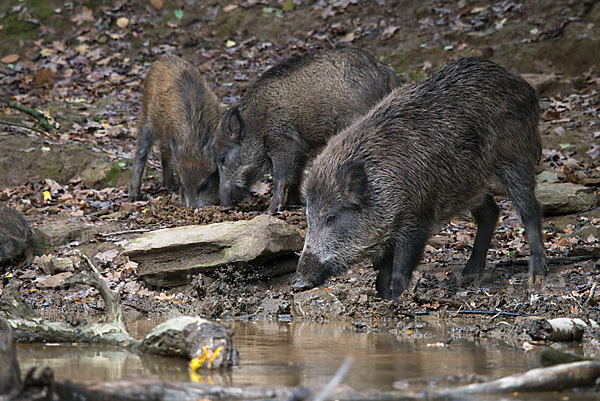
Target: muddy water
292	353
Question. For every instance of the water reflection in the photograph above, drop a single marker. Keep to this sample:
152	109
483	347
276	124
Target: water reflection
290	353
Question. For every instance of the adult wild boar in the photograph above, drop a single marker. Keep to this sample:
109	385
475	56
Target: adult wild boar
16	238
289	113
425	153
181	111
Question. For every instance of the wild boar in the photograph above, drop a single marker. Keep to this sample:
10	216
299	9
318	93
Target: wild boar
425	153
289	114
179	109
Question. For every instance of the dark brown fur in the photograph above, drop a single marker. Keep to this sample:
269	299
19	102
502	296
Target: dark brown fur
16	238
289	113
181	111
422	155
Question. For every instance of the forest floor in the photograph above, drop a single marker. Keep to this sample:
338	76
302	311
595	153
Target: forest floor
83	66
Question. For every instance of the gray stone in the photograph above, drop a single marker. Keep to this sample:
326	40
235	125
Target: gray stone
57	234
263	246
547	177
317	304
53	281
548	84
565	198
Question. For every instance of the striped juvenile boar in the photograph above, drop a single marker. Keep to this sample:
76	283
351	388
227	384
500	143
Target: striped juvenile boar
289	113
180	110
421	156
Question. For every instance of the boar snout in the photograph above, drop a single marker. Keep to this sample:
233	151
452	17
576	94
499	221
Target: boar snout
301	284
230	193
311	272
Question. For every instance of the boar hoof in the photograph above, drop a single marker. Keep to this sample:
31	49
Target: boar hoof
300	284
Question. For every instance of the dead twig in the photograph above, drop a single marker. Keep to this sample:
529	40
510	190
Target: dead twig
138	231
335	380
34	113
562	260
112	300
11	124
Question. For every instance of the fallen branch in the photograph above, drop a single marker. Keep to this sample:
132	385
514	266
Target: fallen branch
138	231
561	260
112	300
478	312
34	113
21	126
555	378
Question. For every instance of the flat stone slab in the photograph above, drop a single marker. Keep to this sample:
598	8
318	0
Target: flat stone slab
170	257
565	198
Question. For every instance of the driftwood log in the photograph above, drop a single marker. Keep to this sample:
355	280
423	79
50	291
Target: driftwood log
206	343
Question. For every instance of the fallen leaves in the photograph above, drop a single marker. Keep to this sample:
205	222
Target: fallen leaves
85	15
11	58
123	22
157	4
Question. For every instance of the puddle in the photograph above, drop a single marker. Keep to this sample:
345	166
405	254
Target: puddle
293	353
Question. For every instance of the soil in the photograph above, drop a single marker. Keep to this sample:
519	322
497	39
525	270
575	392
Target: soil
95	95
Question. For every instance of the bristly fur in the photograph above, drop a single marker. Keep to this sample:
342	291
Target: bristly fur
293	109
181	111
193	95
430	151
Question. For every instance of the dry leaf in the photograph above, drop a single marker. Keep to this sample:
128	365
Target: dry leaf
347	38
122	22
230	8
44	76
86	15
389	32
11	58
157	4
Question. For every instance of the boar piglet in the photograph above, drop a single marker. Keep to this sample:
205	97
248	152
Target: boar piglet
289	114
182	112
424	154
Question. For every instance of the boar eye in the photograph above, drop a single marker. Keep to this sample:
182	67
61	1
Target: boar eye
330	219
222	159
203	185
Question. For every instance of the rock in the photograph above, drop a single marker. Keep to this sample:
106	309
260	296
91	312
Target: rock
194	338
263	246
57	234
53	281
50	265
548	84
102	173
316	304
565	198
547	177
440	241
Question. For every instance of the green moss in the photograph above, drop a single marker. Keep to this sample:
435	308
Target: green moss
113	176
228	24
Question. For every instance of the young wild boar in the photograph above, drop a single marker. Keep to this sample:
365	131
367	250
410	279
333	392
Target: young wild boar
182	112
422	155
16	238
289	113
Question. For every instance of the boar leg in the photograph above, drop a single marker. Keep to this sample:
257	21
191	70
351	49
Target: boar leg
166	161
407	255
144	146
384	267
520	184
287	173
486	218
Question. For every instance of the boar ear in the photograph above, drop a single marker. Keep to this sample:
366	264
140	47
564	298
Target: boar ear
175	147
352	177
235	126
